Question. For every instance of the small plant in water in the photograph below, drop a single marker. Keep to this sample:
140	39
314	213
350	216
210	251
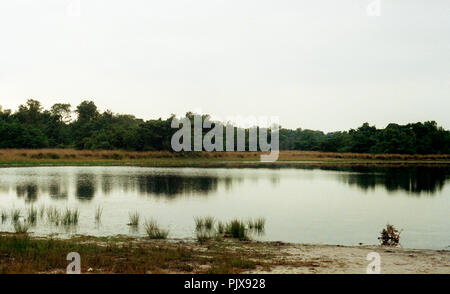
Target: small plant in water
15	215
257	225
70	217
134	219
53	215
204	223
154	231
390	236
41	211
21	227
209	222
98	213
221	227
204	235
4	216
237	229
199	224
32	215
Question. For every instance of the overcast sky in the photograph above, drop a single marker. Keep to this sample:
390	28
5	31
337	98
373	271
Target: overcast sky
324	65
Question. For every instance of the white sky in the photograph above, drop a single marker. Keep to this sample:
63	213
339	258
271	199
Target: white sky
316	64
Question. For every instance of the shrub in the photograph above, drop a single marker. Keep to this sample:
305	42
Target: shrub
390	236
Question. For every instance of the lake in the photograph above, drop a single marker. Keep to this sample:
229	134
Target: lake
347	206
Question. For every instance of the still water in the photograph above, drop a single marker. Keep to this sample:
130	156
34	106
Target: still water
305	205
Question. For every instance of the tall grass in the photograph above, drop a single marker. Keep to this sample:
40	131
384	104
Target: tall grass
98	213
154	231
133	219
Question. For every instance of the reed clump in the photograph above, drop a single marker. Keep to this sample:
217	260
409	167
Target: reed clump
133	219
21	227
53	215
4	216
70	217
236	229
257	225
154	231
206	229
15	214
32	215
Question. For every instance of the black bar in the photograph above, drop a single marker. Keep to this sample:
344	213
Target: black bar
224	283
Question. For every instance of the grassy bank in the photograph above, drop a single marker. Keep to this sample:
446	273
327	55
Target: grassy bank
21	253
62	157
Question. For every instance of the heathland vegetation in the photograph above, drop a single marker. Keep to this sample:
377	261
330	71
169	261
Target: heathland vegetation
33	127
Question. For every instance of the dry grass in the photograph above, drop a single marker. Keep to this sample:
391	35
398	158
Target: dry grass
74	156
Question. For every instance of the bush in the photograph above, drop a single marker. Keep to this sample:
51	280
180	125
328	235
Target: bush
390	236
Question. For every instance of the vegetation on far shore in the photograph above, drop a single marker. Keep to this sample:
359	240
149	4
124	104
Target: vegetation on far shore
31	126
73	157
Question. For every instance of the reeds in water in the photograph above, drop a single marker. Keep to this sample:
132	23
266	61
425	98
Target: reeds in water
53	215
98	214
21	227
42	211
257	225
32	214
237	229
4	216
15	214
133	219
154	231
206	223
70	217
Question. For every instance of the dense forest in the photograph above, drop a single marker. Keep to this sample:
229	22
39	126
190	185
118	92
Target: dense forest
31	126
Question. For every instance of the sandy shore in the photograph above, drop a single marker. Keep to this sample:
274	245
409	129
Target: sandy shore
329	259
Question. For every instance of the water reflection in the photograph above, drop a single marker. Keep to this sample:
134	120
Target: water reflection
170	185
29	191
85	186
413	180
174	185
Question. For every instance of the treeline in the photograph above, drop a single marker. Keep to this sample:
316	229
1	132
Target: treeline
31	126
